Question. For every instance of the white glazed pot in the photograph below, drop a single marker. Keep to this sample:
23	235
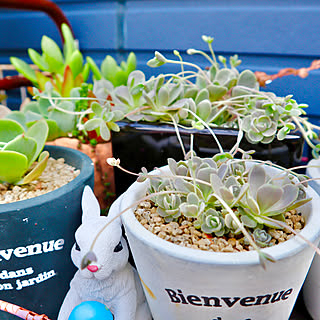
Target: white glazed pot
182	283
311	287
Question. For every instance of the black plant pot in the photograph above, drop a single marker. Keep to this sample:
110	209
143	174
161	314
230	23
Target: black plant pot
36	236
150	144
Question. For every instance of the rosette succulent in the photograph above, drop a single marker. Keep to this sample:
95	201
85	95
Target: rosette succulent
223	195
19	149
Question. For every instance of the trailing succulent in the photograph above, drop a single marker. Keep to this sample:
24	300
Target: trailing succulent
219	95
19	151
195	97
223	195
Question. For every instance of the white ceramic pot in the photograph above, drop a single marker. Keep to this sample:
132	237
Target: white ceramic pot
182	283
311	287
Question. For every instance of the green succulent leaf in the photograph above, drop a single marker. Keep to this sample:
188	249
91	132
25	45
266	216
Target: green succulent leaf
267	196
248	221
52	55
39	132
93	124
54	131
9	129
86	72
163	96
154	63
23	68
247	79
37	170
38	59
17	116
24	145
65	121
76	62
105	131
32	117
109	67
13	166
96	108
69	43
216	92
94	68
131	62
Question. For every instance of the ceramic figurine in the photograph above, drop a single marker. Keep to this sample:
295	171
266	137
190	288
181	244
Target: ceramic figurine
21	312
111	280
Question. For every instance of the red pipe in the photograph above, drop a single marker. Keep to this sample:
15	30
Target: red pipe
13	82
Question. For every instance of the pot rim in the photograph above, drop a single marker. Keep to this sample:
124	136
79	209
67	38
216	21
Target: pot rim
86	170
169	128
291	247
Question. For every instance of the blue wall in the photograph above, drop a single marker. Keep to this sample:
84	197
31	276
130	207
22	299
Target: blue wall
268	34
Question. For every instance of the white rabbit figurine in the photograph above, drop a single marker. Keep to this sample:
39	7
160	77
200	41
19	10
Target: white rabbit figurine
111	280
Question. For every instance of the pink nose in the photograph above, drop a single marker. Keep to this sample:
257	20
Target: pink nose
92	268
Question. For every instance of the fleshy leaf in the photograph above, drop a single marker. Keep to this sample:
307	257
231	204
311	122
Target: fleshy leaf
94	68
105	132
24	145
267	196
92	124
37	170
257	177
76	63
13	166
23	68
38	59
39	131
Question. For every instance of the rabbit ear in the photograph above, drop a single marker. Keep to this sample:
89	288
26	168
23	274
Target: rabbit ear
90	205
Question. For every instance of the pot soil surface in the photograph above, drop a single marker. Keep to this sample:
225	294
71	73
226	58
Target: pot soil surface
183	233
56	174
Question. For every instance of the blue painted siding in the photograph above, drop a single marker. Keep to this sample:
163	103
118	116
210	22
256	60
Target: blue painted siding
268	34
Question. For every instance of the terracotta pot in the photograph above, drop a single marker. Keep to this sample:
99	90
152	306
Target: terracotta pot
103	173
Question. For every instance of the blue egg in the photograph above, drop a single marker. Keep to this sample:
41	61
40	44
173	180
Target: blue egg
91	310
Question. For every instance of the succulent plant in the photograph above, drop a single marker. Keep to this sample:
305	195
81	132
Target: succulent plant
225	196
60	118
111	71
218	95
65	70
19	149
204	188
261	237
61	94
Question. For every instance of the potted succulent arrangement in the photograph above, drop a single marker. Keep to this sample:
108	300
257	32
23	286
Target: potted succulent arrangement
67	74
220	96
40	210
219	237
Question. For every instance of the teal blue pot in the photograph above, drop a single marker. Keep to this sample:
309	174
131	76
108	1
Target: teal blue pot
36	236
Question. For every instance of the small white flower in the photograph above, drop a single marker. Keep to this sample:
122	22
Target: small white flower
113	162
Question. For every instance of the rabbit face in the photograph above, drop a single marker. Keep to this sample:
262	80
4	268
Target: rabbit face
110	247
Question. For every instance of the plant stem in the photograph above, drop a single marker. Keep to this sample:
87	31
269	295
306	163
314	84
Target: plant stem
212	52
191	65
245	232
210	130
